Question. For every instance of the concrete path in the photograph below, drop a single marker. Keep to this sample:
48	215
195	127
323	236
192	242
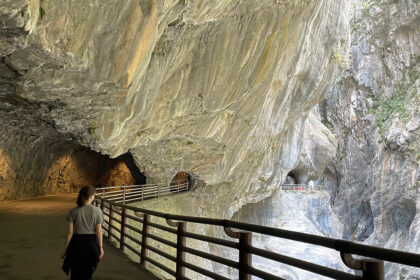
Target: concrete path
32	235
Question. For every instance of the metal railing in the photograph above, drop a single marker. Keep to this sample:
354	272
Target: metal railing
135	193
122	230
299	187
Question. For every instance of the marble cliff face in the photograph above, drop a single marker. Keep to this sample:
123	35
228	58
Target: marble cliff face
216	88
236	93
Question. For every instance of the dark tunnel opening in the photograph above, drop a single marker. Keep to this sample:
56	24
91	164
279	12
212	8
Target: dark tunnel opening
292	178
139	177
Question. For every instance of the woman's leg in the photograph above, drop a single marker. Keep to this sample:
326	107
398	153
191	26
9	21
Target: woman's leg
75	273
81	273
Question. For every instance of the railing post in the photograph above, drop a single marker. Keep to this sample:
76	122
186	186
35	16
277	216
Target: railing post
110	221
102	204
180	254
103	193
158	190
245	258
143	252
373	270
142	193
123	195
123	221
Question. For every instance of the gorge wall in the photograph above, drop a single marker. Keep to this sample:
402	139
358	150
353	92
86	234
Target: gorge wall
374	111
236	93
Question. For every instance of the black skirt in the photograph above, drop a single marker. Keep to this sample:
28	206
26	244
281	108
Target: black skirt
83	251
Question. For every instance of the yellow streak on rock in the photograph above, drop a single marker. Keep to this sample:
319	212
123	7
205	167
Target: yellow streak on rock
230	99
285	27
134	20
263	67
144	43
277	85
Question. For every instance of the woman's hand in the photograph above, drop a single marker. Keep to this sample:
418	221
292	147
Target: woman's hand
102	253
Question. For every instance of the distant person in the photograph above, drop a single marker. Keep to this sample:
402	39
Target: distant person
311	185
83	248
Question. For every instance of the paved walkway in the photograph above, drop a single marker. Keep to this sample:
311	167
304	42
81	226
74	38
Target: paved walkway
32	235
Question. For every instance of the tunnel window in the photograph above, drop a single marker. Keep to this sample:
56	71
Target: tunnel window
181	182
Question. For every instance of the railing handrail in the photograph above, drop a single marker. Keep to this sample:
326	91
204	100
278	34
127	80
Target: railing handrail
343	246
144	185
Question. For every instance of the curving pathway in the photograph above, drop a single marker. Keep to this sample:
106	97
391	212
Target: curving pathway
32	235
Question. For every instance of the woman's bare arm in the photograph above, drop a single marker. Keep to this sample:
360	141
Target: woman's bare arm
69	236
98	232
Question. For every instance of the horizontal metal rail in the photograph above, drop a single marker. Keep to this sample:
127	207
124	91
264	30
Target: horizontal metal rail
244	246
133	193
212	257
218	241
161	266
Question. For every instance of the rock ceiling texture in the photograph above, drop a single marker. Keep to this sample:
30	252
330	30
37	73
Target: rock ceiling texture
216	88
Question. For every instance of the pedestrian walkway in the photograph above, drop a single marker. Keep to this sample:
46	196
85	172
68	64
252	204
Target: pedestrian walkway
32	235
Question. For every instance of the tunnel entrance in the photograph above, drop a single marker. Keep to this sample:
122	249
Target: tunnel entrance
139	177
292	178
77	166
181	182
121	171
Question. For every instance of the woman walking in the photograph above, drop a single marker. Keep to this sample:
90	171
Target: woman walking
83	248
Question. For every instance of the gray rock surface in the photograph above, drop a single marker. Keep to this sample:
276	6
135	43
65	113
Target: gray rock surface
374	110
236	93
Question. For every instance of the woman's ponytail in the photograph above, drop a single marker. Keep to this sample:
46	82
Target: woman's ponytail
84	195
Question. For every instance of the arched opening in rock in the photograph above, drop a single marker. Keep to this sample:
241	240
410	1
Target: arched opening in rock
121	171
292	179
181	182
76	166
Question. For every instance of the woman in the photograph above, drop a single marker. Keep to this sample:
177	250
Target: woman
83	248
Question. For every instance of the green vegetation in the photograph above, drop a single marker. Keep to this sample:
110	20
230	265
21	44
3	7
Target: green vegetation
248	123
340	58
140	133
414	147
41	12
328	125
396	104
413	73
367	4
390	108
93	126
262	179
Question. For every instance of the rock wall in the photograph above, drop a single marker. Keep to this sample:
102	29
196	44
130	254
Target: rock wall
373	109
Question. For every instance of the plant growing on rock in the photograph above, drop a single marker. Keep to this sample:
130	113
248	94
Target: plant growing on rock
396	105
